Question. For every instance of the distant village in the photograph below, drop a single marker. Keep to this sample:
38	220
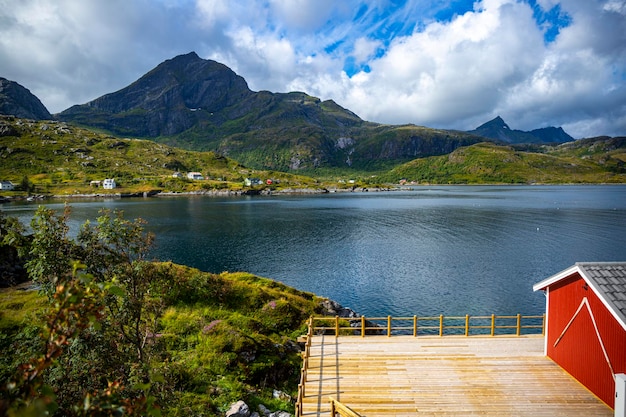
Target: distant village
110	184
248	182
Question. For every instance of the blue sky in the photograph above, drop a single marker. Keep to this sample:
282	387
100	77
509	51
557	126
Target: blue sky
451	64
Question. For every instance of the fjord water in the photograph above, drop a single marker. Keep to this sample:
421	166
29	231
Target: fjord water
450	250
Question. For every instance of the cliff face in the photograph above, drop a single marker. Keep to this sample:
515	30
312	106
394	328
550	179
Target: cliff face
17	101
173	97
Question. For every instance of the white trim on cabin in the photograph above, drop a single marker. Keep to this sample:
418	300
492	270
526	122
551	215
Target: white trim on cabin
579	267
547	321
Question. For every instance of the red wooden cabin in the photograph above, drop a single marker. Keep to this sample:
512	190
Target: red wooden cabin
586	324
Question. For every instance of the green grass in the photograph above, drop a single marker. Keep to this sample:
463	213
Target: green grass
61	159
226	337
19	308
487	163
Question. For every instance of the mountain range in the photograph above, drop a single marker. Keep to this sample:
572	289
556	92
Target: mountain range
498	130
201	104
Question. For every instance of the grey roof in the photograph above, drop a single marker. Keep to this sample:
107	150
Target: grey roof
607	279
610	279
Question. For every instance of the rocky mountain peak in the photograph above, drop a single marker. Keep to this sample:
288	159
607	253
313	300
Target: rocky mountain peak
498	129
166	100
18	101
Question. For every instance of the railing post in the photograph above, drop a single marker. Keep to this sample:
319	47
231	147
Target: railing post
441	325
414	326
467	325
299	404
332	407
543	325
336	326
362	326
493	324
388	326
519	325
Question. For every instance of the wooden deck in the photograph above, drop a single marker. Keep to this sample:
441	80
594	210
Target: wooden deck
442	376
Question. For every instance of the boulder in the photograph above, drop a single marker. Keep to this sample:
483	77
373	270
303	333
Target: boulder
333	308
281	395
280	414
238	409
8	130
264	410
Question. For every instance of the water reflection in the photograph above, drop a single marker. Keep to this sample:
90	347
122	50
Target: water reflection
450	250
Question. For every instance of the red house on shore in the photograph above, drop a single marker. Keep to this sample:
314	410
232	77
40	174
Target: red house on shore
586	324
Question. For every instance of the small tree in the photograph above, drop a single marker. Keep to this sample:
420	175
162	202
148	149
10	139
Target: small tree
26	185
51	251
106	361
116	250
13	251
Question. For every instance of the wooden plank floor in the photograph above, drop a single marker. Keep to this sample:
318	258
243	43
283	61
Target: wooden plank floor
449	376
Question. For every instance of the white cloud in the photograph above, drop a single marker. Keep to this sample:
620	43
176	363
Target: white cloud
213	12
451	70
456	73
580	82
617	6
303	15
271	59
365	49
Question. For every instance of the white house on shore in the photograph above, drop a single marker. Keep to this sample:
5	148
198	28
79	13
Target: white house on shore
248	182
6	185
108	184
195	176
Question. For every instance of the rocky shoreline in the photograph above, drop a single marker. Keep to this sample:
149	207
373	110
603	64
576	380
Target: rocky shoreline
208	193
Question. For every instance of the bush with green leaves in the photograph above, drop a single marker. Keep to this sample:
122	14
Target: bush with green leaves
126	336
100	316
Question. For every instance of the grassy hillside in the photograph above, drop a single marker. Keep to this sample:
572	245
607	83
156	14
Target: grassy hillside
600	160
57	158
61	159
224	338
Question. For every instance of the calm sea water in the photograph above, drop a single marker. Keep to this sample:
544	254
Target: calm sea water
430	250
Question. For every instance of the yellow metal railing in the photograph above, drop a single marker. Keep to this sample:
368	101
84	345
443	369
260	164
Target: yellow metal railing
343	410
467	325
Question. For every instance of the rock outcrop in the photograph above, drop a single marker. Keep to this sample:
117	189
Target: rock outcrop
333	308
16	100
241	409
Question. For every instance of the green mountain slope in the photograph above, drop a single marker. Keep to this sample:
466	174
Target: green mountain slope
601	160
200	104
60	158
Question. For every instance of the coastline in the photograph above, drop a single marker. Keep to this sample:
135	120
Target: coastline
205	193
259	192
